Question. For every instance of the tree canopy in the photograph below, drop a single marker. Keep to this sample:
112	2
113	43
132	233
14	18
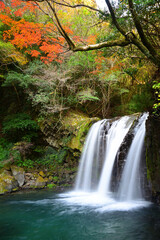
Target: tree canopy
138	24
118	47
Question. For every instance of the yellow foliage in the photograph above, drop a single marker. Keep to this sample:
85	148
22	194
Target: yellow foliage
18	57
8	54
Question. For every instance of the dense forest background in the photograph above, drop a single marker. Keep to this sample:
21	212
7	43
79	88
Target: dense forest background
63	57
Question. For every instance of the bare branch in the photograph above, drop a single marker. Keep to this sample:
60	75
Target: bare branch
77	6
69	5
114	19
121	43
60	28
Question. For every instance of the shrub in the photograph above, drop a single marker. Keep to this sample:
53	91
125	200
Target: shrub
18	126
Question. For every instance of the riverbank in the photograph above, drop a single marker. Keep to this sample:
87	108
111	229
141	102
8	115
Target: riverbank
14	178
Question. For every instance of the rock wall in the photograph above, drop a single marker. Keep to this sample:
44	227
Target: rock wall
70	131
152	148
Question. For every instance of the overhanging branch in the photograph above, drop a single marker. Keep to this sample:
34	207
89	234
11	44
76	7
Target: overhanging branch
77	6
120	43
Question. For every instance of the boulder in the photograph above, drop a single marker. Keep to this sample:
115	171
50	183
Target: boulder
40	182
18	173
7	183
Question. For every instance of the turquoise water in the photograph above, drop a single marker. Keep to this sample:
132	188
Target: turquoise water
46	215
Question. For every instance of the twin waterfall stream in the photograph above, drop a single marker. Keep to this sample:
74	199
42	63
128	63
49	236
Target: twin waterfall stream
94	183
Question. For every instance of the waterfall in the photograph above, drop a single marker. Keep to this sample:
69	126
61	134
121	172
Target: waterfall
98	157
89	161
130	187
105	148
115	137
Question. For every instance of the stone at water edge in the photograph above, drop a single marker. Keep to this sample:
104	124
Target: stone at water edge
7	183
40	182
18	173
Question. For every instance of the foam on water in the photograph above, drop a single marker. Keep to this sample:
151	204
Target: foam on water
100	203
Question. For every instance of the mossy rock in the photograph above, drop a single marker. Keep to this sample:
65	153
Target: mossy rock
7	183
69	132
41	173
18	173
78	124
40	182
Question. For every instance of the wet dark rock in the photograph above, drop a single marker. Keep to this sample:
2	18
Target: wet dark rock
152	149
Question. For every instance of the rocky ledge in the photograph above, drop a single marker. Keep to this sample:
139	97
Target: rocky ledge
15	178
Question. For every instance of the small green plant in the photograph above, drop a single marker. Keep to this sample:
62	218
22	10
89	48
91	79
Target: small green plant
51	185
156	106
27	163
52	157
55	179
88	94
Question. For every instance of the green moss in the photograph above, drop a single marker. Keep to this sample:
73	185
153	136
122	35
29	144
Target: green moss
51	185
74	119
7	182
77	124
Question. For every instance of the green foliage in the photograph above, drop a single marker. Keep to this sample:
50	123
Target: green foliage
35	67
5	47
19	121
5	147
83	59
27	163
4	153
18	79
51	185
156	106
55	178
18	126
141	102
87	95
131	71
52	157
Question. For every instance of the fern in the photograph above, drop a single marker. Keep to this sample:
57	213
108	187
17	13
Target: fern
19	121
87	95
19	79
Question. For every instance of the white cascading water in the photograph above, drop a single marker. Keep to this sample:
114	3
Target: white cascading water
91	154
130	187
115	137
96	166
89	158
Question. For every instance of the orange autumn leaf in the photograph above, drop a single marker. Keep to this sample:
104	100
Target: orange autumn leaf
35	53
39	40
